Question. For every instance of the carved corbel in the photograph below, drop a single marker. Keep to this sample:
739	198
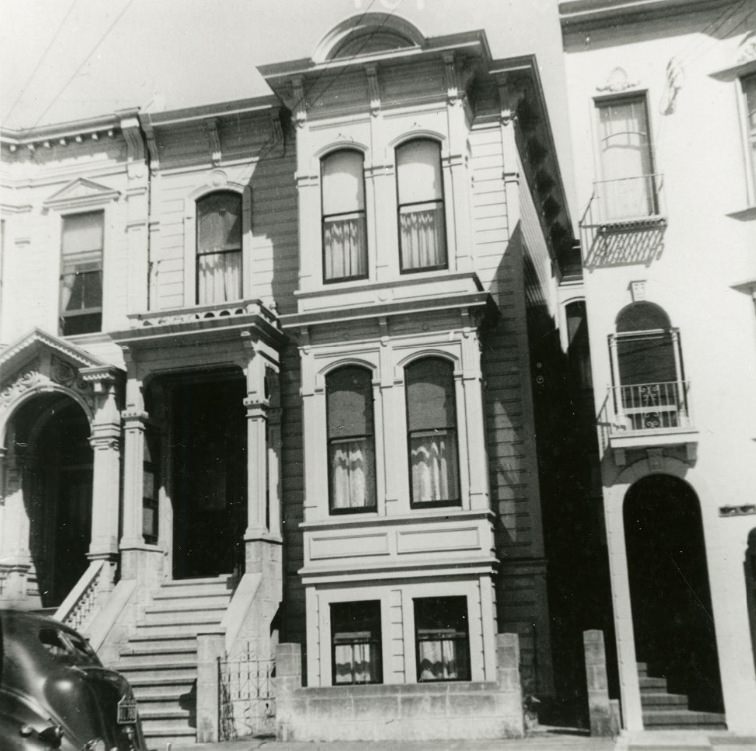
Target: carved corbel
300	104
135	151
451	80
374	89
213	140
276	131
152	147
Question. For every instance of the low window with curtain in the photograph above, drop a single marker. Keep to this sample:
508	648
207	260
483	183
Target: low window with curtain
627	188
422	223
219	248
81	273
442	640
351	444
432	432
356	642
749	89
344	229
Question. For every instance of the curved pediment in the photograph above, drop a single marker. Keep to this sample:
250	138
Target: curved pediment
367	34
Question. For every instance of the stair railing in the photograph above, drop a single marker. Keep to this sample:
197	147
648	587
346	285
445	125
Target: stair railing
79	608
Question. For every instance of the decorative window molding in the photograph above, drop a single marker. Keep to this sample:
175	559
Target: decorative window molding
617	82
218	182
81	194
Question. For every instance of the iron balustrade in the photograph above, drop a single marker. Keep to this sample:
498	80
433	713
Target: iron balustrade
650	406
625	201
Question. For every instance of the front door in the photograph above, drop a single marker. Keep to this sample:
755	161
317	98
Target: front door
209	477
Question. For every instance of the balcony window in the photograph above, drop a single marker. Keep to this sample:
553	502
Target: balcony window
627	189
219	248
81	273
432	432
351	445
422	232
651	394
442	640
356	642
344	229
749	89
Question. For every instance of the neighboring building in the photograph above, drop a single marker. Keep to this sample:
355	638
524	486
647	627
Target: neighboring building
289	369
662	99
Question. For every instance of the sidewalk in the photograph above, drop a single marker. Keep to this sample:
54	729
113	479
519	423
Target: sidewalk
538	742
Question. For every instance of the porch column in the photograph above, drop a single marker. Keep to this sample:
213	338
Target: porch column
134	426
15	555
257	405
105	442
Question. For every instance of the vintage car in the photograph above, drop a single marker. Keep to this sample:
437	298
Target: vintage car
55	693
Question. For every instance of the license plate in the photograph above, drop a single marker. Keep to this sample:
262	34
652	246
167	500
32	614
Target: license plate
127	710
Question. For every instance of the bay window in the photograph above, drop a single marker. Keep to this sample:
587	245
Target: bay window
343	212
422	230
351	445
432	432
81	273
219	247
442	639
356	642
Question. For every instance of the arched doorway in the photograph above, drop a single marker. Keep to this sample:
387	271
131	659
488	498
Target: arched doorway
51	443
669	589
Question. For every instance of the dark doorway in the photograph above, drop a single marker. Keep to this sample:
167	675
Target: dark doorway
669	589
58	494
209	477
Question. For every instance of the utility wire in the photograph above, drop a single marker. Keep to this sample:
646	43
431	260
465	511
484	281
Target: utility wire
84	62
28	81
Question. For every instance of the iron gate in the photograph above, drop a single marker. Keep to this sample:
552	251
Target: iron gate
246	703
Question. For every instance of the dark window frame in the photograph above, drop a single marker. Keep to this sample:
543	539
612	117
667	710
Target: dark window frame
458	638
361	213
454	430
375	640
438	201
370	437
239	199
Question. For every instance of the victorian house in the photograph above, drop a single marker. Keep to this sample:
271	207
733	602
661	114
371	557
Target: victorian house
289	369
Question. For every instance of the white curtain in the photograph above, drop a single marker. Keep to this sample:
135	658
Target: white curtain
441	660
434	467
218	277
423	240
628	189
352	480
355	663
344	246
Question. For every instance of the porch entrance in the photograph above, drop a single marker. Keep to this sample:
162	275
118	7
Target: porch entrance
209	472
669	589
57	491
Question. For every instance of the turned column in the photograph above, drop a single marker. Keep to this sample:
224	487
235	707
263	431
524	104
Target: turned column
257	405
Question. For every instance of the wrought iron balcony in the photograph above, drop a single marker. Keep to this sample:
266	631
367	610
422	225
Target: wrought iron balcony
647	415
625	203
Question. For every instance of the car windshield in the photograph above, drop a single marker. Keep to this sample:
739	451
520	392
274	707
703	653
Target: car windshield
67	647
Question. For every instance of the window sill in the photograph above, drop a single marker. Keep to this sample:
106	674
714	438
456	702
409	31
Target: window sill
744	215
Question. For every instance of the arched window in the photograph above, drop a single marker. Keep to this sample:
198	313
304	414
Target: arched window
219	247
343	203
422	231
351	444
652	393
432	432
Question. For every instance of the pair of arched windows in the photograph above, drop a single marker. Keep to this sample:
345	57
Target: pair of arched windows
420	209
219	247
433	454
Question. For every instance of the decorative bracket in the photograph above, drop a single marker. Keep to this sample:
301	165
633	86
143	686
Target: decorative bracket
374	89
450	78
300	105
213	140
152	147
276	131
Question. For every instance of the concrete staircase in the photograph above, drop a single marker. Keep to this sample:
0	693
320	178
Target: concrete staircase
663	710
160	658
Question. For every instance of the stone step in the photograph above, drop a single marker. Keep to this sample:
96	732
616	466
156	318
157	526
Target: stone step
181	616
158	738
163	630
662	699
150	658
161	691
653	685
161	642
197	602
168	719
642	669
158	673
676	718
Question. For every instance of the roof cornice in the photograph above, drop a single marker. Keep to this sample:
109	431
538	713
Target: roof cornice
576	15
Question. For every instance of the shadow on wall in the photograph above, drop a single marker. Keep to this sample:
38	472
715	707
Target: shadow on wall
606	246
